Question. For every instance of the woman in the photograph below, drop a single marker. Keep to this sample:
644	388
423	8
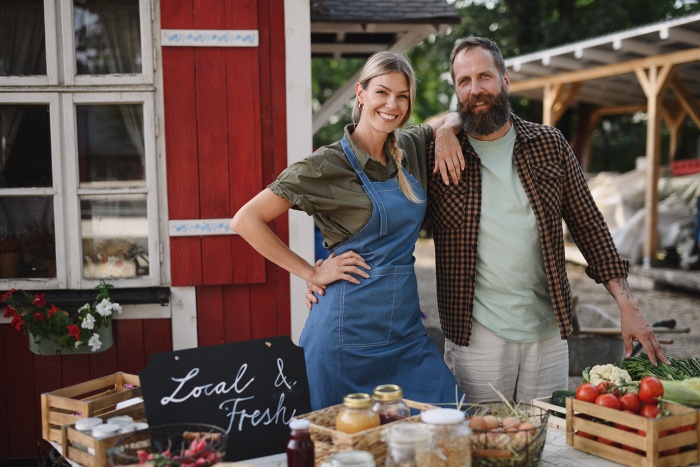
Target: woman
367	329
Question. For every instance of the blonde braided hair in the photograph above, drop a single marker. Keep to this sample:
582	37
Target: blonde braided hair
379	64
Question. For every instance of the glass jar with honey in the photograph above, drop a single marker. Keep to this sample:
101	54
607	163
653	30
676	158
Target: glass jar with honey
356	414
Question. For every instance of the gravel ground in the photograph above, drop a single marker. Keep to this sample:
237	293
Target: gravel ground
656	305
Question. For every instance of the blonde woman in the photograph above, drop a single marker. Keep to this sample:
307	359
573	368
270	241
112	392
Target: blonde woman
366	193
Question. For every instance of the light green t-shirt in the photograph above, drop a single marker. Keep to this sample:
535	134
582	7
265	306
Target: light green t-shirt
511	296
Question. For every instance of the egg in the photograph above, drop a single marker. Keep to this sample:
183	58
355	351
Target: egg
528	426
477	423
492	422
509	422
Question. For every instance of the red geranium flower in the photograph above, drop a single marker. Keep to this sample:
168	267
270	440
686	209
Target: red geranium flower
17	322
39	300
9	311
74	331
52	311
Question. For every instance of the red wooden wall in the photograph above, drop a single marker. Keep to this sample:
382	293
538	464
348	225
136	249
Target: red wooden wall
26	376
225	131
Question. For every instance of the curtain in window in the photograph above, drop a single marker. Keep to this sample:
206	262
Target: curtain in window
22	53
121	33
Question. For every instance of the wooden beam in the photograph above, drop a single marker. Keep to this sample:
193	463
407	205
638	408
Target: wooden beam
689	103
654	81
605	71
556	100
674	115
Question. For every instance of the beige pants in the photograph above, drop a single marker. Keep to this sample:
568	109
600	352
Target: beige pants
521	372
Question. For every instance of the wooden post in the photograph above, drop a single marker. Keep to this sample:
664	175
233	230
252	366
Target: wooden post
653	81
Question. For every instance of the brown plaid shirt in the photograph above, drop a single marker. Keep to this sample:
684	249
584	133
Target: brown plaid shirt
555	186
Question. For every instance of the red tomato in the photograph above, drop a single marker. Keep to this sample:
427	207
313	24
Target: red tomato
650	411
608	386
609	400
587	392
681	429
608	442
651	389
631	402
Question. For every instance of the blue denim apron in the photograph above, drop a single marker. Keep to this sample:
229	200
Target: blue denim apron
360	336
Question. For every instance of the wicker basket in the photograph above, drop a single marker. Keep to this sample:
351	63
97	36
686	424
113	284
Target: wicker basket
327	440
517	449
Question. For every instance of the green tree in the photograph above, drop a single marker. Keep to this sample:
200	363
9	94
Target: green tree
519	27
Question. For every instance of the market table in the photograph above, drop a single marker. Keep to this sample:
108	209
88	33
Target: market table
556	454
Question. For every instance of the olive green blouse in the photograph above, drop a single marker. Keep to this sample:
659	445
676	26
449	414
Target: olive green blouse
325	186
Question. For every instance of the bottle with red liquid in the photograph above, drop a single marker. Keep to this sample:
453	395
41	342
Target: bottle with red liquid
389	404
300	448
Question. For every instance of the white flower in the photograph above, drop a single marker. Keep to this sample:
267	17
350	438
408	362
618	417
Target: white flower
104	308
88	322
117	307
84	307
77	344
95	342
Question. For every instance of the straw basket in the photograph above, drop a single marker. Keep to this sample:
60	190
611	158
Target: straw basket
327	440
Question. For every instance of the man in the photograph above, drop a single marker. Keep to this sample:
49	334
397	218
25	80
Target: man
503	295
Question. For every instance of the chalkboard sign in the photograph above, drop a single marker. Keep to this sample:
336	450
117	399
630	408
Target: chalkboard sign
251	389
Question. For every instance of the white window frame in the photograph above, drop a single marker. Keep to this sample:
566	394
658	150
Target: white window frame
73	190
147	64
62	92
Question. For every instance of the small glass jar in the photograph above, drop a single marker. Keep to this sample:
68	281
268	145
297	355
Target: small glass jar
300	448
350	459
389	404
403	441
451	439
356	414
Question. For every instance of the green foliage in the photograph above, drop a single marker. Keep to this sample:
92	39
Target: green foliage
518	27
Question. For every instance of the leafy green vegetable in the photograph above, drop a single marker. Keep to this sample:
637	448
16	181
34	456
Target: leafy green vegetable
679	369
559	397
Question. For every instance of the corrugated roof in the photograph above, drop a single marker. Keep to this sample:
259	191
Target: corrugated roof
383	11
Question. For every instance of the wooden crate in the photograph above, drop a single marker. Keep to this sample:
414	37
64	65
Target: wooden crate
95	398
84	449
327	440
557	415
632	439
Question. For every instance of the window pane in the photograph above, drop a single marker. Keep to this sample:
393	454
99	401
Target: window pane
22	43
25	146
107	37
115	236
27	223
110	144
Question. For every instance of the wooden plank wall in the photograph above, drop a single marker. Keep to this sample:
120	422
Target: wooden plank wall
26	376
225	130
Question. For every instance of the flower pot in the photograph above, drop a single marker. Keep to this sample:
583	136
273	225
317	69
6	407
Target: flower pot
9	263
50	346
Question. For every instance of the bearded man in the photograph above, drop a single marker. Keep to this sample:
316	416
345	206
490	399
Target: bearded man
503	294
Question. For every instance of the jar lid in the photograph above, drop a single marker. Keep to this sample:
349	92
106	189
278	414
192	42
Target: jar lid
442	416
299	424
121	420
388	392
359	400
83	424
352	458
409	434
105	430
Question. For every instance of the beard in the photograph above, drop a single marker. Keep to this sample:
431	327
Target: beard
488	121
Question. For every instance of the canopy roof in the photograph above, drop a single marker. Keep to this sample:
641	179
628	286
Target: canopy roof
605	66
340	28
